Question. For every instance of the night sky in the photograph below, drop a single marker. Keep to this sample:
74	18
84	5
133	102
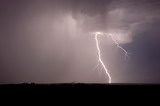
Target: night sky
50	41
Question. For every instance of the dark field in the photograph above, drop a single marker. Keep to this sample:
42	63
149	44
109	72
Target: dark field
82	89
77	85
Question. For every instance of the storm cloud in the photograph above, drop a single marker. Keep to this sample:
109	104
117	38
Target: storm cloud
51	42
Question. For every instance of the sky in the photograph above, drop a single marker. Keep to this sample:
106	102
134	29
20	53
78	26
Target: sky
51	41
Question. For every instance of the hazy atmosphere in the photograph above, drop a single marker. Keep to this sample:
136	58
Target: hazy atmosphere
52	41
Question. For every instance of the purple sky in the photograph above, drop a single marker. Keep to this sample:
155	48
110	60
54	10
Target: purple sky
50	41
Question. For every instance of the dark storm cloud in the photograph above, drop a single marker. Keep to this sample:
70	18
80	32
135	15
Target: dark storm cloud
48	41
145	56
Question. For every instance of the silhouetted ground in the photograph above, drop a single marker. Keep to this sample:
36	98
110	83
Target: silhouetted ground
79	92
67	89
77	85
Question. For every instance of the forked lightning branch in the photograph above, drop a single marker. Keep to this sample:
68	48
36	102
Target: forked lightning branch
97	34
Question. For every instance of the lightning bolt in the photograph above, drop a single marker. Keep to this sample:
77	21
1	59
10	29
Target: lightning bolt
100	57
118	45
99	51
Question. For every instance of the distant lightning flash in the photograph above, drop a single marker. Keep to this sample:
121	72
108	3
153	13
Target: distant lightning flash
99	52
